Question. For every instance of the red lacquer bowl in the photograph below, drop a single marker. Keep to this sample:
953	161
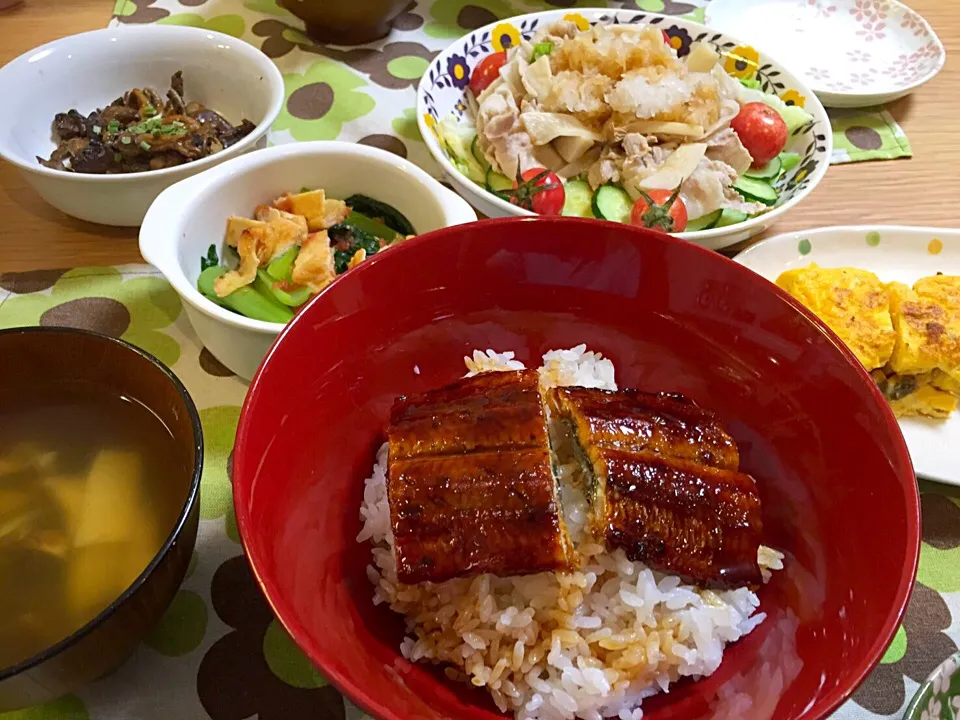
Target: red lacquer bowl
839	494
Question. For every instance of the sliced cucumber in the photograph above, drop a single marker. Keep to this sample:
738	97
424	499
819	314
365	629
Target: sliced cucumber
458	148
731	217
611	202
705	222
758	190
770	171
497	182
789	160
578	200
385	213
478	153
374	227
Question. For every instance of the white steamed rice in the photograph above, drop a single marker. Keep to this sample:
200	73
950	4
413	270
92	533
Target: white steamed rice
587	644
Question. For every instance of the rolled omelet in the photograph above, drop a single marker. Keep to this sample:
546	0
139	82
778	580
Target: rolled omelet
927	328
853	303
915	395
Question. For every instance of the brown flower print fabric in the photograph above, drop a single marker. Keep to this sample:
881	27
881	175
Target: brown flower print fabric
281	38
100	314
669	7
927	617
389	143
408	19
22	283
211	366
234	681
144	13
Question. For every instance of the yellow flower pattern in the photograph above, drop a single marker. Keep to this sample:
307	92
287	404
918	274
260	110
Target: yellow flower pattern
504	37
742	61
792	97
577	19
431	124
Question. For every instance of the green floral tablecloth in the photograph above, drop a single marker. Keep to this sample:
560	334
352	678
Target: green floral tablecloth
367	94
218	653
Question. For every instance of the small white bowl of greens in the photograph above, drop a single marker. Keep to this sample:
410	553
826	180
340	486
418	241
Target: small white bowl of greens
266	208
559	113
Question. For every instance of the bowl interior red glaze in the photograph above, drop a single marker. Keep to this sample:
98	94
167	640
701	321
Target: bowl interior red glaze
838	491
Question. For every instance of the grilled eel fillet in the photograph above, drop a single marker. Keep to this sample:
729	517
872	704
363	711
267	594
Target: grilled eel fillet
470	482
663	483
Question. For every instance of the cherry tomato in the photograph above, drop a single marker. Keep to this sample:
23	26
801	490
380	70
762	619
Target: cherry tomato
539	190
661	210
762	132
486	72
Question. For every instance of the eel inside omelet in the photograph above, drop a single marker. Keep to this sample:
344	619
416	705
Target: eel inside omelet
909	338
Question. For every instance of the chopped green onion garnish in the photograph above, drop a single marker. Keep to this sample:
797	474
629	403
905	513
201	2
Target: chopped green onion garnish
126	140
541	49
146	126
96	129
172	129
149	111
113	126
144	144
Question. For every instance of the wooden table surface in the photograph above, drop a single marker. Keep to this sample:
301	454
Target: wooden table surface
924	190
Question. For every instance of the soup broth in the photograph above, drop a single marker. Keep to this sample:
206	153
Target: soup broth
91	485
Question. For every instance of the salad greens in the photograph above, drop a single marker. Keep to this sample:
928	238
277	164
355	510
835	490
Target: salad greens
611	201
273	295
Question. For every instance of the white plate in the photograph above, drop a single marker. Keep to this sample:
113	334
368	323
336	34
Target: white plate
894	253
853	53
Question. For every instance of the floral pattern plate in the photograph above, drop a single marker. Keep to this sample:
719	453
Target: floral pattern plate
443	86
894	253
853	53
939	697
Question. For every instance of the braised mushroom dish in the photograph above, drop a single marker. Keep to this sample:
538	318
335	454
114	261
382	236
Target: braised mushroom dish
141	131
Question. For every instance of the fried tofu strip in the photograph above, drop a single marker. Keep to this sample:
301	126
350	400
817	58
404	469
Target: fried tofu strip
319	212
259	241
314	266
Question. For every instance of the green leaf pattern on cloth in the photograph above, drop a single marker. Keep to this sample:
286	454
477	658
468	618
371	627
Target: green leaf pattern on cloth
227	24
134	309
321	100
218	652
287	661
867	134
406	125
69	707
181	629
219	429
453	18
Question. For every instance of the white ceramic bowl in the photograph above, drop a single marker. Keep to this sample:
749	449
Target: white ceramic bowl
191	215
441	92
90	70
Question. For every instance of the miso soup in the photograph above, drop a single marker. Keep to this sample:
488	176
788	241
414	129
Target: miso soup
91	485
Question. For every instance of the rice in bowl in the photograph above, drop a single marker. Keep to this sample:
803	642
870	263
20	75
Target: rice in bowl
556	646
